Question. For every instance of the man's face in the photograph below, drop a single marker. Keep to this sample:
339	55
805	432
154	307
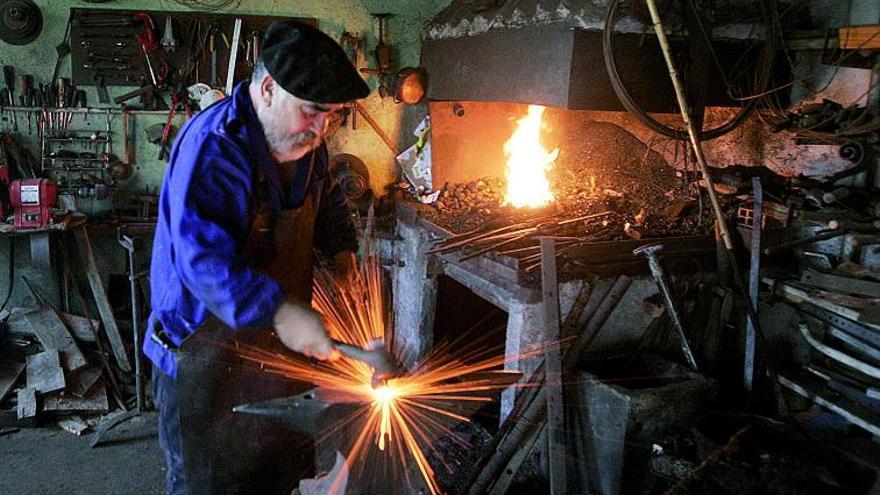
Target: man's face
293	126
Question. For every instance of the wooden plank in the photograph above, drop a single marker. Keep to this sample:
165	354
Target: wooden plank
80	326
48	327
553	369
80	382
16	322
100	294
27	403
74	424
598	292
10	372
859	37
840	283
44	371
798	295
94	402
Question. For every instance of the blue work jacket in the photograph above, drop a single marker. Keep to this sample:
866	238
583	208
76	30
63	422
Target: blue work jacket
204	217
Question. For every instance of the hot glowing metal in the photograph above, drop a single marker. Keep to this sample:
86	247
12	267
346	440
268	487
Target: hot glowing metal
402	419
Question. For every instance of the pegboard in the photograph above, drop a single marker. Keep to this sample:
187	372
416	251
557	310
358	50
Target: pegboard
106	46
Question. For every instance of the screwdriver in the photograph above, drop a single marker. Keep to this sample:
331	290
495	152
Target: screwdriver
52	94
4	97
9	79
83	103
40	101
45	95
32	95
72	102
62	98
24	82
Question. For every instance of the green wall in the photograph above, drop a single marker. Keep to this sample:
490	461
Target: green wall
334	17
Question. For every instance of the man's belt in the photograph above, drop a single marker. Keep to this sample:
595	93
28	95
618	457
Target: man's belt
161	337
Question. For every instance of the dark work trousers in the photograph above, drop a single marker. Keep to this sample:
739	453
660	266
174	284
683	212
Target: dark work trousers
165	398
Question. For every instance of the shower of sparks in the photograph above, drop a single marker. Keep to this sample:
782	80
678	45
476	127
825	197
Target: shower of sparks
401	419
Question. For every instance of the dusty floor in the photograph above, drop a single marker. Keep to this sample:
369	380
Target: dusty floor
50	460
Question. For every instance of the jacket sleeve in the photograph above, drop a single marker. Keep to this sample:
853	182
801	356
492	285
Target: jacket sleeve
334	232
209	223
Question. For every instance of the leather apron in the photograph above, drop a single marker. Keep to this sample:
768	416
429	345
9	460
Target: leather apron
229	453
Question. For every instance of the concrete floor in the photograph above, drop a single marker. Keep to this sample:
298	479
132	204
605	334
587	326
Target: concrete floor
50	460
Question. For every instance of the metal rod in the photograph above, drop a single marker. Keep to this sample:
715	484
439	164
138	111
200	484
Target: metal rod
754	281
233	55
518	231
553	369
820	236
88	110
492	247
128	243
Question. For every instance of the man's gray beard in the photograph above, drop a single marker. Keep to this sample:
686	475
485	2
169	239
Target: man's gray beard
286	144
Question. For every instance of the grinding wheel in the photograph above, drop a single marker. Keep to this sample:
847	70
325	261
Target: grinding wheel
20	21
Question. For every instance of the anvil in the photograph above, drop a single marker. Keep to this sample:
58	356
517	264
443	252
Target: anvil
304	412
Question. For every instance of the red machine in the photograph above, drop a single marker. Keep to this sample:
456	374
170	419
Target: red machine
4	189
32	201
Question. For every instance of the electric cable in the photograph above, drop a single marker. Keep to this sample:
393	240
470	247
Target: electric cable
10	270
765	71
208	5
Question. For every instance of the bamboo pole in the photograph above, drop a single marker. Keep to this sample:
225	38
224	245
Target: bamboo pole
684	108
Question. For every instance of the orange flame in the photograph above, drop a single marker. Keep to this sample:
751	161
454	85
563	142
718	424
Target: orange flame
528	162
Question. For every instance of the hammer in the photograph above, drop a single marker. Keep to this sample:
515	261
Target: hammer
650	251
384	366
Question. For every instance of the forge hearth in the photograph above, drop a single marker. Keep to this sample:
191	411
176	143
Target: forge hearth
502	282
600	167
612	194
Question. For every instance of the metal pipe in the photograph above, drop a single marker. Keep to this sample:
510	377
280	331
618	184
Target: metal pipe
128	243
754	281
553	370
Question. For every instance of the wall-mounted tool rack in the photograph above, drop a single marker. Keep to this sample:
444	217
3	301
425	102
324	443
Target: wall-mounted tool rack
82	162
112	47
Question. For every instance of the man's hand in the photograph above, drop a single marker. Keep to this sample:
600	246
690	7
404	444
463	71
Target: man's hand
300	329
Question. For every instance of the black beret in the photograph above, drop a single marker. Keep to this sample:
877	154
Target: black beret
309	64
